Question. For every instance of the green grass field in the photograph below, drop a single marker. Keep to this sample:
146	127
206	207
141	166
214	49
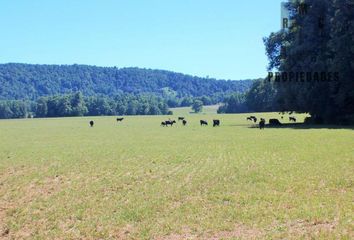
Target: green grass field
61	179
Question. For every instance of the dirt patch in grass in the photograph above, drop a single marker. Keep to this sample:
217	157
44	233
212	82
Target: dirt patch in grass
34	190
43	189
123	233
303	227
295	230
240	231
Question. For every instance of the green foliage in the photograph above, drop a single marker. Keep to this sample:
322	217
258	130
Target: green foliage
26	81
186	102
261	97
197	106
320	41
77	105
235	103
13	109
59	90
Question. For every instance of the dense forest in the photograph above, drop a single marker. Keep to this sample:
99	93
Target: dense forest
78	90
29	82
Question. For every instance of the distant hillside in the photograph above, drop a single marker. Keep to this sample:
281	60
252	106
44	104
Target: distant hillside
27	81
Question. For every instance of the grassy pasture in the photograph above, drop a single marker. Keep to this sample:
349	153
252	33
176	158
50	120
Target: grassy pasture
61	179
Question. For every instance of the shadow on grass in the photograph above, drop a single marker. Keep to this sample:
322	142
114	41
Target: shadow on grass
307	126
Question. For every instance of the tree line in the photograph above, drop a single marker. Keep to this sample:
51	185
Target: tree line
76	104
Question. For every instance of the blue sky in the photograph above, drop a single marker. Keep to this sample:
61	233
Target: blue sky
216	38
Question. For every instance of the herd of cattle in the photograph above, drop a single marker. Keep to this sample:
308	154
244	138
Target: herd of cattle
216	122
272	121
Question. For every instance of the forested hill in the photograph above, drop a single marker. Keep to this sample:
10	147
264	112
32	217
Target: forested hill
27	81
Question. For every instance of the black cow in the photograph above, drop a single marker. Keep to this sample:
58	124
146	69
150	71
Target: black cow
92	123
203	122
261	123
169	122
274	122
216	123
180	118
292	119
184	122
119	119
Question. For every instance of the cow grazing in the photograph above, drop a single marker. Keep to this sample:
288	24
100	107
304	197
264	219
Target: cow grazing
216	123
261	123
274	122
169	122
119	119
184	122
249	119
292	119
180	118
163	124
203	122
254	119
92	123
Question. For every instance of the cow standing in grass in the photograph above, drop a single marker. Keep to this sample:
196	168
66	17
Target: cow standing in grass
216	123
169	122
184	122
274	122
92	123
203	122
180	118
119	119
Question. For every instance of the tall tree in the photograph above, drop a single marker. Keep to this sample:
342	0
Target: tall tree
197	106
315	45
